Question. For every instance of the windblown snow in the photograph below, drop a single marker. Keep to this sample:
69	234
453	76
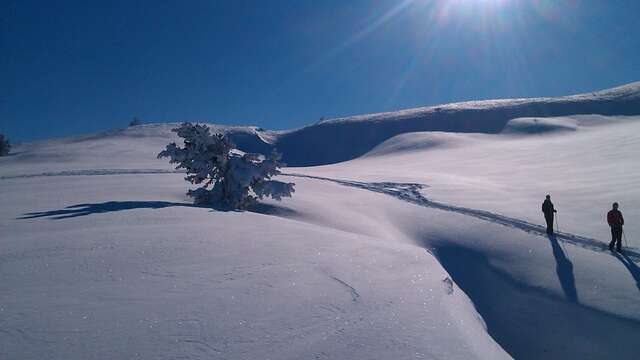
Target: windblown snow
427	243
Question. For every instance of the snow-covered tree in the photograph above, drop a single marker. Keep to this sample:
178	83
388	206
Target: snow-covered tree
135	122
238	179
5	147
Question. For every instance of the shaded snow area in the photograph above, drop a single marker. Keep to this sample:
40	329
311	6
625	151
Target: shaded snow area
430	245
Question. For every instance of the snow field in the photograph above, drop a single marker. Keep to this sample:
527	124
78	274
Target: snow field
427	246
143	274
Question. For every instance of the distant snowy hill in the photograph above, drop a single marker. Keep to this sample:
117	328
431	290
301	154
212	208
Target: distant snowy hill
131	148
344	139
335	140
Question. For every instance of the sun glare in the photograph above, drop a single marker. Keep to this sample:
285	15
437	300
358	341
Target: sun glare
477	4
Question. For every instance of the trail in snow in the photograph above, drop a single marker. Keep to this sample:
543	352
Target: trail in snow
93	172
410	192
354	293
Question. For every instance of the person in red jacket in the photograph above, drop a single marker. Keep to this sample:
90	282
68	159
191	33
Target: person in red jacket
615	220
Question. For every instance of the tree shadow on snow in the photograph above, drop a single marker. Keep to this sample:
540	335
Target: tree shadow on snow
564	269
101	208
113	206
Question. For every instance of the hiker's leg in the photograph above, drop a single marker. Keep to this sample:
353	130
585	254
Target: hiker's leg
619	238
613	238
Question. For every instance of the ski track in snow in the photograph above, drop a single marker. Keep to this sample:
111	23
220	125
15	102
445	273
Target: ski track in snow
93	172
354	293
410	192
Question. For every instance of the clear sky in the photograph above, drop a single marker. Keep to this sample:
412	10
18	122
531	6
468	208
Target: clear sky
69	67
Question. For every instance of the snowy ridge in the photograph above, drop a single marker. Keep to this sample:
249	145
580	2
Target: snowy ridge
624	92
342	139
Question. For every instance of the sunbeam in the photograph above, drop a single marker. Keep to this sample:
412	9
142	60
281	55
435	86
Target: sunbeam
371	26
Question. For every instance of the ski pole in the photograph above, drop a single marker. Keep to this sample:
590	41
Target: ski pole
624	235
558	232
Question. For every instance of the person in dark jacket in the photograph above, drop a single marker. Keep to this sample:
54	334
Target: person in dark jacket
548	210
615	220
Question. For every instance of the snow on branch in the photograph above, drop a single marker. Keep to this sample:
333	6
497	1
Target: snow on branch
237	179
5	147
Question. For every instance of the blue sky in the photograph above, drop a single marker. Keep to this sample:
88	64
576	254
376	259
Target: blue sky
69	67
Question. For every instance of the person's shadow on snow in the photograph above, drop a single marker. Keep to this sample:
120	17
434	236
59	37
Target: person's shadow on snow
564	269
113	206
634	270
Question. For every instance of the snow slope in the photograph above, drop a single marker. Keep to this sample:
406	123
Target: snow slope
103	257
336	140
542	298
122	266
584	170
430	245
133	148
